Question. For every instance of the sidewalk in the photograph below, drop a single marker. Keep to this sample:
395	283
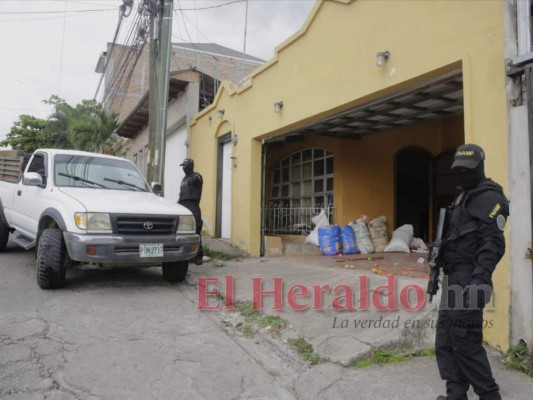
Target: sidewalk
342	337
339	336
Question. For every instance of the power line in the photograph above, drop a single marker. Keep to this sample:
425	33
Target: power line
188	35
23	109
196	16
62	50
209	7
128	79
55	12
119	25
215	63
71	1
88	3
121	60
197	27
58	17
241	67
131	51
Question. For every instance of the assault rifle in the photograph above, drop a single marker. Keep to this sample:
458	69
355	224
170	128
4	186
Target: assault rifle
434	262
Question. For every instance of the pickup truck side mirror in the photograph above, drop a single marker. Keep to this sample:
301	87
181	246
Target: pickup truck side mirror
157	188
32	179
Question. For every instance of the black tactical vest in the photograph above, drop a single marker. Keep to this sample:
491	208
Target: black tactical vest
191	187
461	239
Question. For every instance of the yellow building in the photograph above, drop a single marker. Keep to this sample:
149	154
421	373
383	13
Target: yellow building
359	113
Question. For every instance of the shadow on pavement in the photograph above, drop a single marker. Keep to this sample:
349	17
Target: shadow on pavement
89	279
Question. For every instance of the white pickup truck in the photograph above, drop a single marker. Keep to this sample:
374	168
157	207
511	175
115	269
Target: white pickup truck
84	208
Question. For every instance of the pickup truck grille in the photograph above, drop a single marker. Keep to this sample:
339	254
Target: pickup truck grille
144	225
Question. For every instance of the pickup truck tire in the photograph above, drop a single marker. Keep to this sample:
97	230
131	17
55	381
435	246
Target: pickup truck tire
4	234
175	271
52	257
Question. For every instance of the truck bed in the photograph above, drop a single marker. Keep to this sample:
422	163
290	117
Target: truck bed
11	167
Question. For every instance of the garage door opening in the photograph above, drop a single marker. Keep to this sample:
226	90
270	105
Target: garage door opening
385	155
413	168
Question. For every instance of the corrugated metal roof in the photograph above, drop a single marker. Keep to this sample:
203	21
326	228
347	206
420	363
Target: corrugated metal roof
214	48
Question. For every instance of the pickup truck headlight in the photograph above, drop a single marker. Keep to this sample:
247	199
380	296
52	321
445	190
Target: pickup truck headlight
186	223
93	221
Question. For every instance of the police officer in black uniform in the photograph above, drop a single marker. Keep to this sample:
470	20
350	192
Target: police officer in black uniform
190	195
472	247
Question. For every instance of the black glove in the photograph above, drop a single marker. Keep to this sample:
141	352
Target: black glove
477	293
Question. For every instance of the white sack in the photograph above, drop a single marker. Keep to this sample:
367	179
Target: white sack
401	238
319	220
418	246
362	235
378	233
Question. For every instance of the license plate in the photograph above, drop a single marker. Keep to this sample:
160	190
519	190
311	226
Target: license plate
151	250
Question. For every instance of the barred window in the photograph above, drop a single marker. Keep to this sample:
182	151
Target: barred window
304	179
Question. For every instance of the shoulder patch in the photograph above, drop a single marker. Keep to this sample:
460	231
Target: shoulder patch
495	210
487	205
500	221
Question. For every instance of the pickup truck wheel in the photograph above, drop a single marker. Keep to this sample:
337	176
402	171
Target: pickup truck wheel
175	271
52	258
4	234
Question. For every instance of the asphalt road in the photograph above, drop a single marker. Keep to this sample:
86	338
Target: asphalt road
119	334
128	334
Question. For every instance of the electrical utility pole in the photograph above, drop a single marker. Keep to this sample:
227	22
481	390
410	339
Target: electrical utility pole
164	76
160	46
153	9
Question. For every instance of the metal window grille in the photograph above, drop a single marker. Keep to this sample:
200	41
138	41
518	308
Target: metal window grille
282	220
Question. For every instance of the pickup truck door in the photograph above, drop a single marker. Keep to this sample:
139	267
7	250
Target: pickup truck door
28	203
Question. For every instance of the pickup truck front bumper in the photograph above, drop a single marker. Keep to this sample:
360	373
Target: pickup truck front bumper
123	250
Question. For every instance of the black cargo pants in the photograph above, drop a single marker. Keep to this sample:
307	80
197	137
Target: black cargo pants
461	358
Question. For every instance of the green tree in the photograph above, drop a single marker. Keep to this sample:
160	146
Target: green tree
58	123
87	126
26	134
91	126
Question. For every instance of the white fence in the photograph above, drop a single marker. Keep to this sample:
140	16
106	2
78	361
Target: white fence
280	220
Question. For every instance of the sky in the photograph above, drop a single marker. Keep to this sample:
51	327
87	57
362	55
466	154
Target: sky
51	47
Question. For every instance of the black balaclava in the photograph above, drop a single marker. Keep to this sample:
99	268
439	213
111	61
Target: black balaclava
188	169
188	166
469	178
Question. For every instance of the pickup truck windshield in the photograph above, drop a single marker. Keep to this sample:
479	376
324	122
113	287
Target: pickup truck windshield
86	171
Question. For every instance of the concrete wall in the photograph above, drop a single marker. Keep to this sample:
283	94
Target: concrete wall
184	106
121	94
521	278
124	92
517	35
329	66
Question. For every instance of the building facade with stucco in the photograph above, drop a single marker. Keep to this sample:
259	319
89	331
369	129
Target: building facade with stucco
359	113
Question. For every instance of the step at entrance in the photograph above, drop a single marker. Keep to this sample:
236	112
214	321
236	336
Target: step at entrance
288	245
